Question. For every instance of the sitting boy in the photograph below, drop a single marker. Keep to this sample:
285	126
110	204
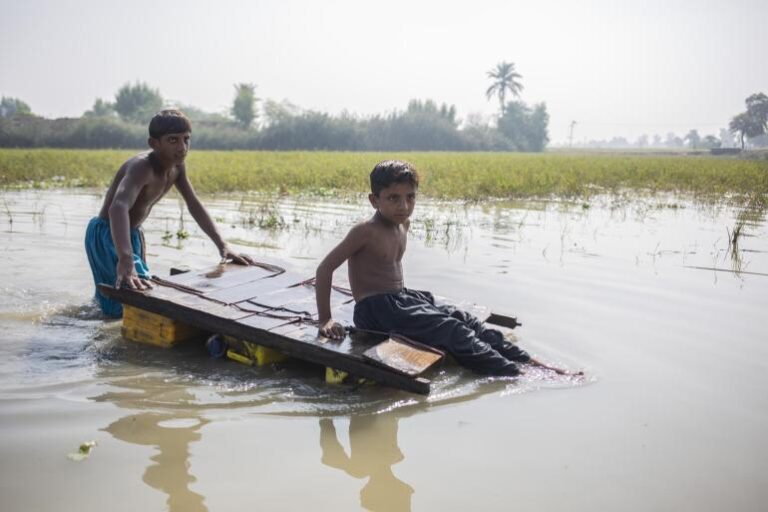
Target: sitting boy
374	251
113	240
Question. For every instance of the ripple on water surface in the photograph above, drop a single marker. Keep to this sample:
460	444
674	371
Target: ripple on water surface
75	354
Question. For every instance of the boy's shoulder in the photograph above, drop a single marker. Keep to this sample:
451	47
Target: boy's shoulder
363	232
376	224
362	229
146	165
140	162
371	224
374	230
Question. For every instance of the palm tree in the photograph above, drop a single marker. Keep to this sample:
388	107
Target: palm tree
505	78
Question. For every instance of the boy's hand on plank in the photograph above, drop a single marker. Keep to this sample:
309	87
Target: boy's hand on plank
128	278
242	259
332	329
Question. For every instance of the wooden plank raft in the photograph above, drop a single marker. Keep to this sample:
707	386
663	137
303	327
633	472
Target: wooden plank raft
268	306
273	308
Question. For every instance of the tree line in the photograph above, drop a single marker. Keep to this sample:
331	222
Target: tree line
253	123
691	140
749	128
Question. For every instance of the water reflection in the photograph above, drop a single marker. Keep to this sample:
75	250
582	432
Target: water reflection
373	450
578	311
171	434
373	437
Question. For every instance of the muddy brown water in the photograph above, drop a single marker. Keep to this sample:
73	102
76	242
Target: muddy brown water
646	295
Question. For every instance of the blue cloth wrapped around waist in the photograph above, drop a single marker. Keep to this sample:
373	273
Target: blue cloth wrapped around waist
102	256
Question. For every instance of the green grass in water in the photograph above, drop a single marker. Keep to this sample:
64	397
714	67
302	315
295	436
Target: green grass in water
466	176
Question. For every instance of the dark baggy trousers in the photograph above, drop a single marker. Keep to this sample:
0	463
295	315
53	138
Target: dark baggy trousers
415	315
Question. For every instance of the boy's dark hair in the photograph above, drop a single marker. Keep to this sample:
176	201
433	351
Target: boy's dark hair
169	121
393	171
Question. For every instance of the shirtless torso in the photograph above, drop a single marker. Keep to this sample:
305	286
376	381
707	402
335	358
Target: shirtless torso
377	267
156	183
138	185
374	251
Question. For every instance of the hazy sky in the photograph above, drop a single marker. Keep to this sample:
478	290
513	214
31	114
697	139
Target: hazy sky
616	67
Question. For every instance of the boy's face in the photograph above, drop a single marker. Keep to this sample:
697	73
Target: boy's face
395	202
172	147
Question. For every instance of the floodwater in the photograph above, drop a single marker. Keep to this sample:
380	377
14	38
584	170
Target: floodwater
647	296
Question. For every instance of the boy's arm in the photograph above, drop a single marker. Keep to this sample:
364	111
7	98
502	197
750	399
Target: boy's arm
135	178
353	242
204	220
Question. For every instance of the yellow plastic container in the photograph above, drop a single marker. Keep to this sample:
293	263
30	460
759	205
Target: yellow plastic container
151	328
239	358
334	376
259	354
264	355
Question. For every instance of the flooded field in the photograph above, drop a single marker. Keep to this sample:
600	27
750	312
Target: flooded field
660	301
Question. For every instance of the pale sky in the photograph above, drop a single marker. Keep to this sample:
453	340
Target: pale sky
619	68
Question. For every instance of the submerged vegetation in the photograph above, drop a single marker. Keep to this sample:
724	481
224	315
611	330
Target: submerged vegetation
466	176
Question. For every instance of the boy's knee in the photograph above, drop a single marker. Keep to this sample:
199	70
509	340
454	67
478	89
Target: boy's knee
109	307
464	340
492	336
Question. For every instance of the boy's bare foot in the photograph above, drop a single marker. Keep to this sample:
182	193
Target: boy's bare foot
558	371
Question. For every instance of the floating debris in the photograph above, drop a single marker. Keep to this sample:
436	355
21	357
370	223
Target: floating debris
83	452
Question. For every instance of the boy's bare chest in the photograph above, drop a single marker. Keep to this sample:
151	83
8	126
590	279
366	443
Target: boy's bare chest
388	248
157	188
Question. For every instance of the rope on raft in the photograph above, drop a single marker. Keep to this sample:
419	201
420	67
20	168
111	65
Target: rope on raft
297	317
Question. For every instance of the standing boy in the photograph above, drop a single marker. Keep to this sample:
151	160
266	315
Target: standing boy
374	251
113	241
